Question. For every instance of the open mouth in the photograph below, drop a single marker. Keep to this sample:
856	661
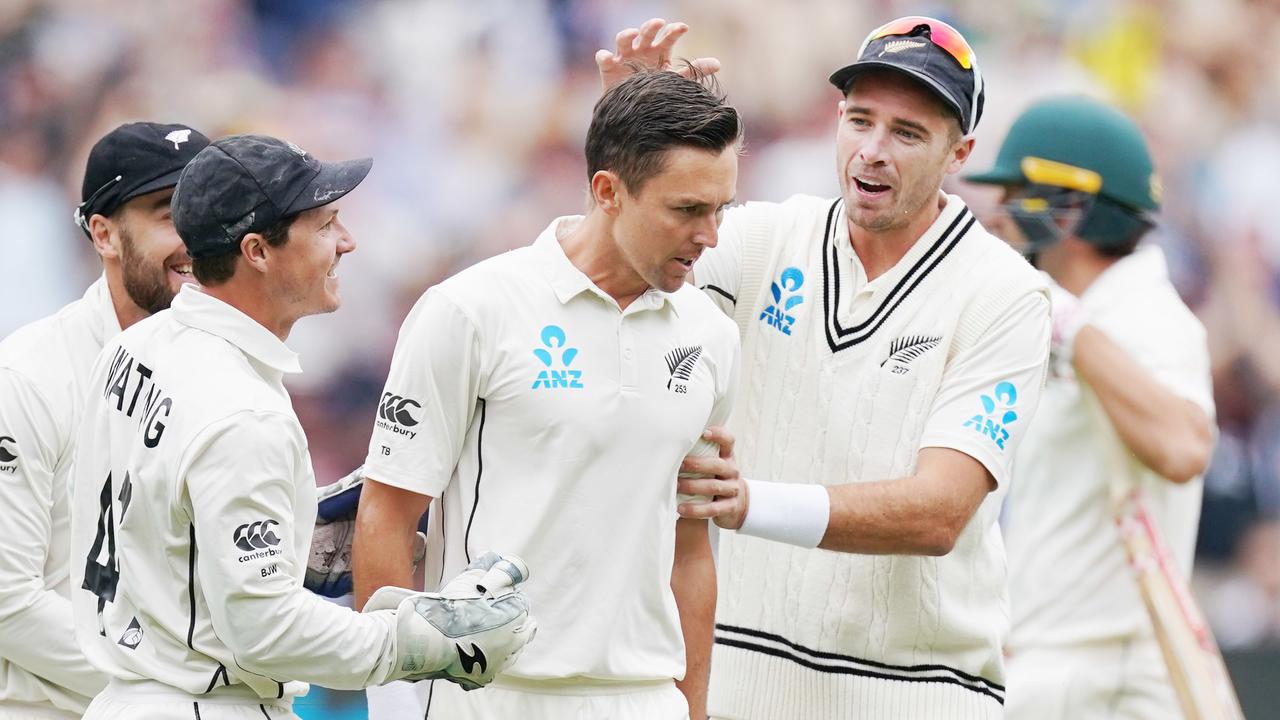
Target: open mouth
870	188
182	270
687	262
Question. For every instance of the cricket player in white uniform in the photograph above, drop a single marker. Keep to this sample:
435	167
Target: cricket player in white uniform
193	496
893	355
1128	407
44	375
543	401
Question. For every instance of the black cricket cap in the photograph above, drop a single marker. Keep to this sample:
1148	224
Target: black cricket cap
246	183
917	51
132	160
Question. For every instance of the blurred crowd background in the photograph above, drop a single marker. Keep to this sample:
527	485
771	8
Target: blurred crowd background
475	112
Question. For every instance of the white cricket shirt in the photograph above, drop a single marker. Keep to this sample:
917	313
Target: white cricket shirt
844	380
1068	580
550	424
193	502
44	376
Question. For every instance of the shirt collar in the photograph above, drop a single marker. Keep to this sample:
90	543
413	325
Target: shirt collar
204	312
1144	268
950	210
99	297
568	281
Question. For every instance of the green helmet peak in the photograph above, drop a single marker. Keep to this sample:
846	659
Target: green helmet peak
1078	143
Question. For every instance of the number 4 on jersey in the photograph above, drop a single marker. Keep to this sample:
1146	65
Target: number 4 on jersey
101	569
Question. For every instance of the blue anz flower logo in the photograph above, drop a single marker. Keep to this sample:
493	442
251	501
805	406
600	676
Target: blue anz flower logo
553	338
778	315
998	413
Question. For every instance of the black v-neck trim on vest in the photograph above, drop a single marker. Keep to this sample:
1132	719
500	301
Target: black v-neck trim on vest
841	338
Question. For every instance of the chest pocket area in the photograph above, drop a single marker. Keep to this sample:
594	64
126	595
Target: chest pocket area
895	402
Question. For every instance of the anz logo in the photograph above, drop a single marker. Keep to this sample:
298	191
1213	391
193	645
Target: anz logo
997	413
557	360
786	295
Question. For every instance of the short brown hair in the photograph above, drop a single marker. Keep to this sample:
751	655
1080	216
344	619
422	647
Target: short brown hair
220	268
640	118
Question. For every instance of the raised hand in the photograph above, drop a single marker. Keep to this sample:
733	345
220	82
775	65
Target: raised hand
648	46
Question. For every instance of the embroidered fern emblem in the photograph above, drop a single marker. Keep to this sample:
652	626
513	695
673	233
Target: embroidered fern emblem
680	363
905	349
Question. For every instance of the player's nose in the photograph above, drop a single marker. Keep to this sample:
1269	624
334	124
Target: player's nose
346	241
707	231
873	148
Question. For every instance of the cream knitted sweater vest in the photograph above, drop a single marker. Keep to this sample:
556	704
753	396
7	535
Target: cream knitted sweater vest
817	634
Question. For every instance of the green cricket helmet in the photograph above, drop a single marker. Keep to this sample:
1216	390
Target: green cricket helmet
1074	155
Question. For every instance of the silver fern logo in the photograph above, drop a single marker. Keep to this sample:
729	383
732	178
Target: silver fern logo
907	348
680	363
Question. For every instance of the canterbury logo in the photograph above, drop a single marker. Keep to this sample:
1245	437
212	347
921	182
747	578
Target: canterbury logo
256	535
5	454
475	657
396	409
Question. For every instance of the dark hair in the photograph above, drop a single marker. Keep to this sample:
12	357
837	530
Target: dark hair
652	111
219	268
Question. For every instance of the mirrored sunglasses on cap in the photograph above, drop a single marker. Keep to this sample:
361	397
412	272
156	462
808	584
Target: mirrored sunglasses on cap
943	36
940	33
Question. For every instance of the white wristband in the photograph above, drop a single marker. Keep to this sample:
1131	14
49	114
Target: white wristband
787	513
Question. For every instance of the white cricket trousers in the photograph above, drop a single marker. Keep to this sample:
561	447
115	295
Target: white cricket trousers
26	711
118	702
525	700
1115	681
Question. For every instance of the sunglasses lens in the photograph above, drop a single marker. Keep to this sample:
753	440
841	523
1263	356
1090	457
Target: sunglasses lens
942	35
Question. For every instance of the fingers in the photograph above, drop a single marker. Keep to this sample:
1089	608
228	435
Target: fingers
708	466
704	66
624	43
653	42
666	40
722	437
606	61
708	510
648	31
650	46
708	487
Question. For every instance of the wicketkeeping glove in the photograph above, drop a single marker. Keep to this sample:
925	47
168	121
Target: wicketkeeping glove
329	565
467	633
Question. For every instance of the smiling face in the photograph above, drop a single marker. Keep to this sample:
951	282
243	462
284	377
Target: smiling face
895	143
304	270
153	261
662	229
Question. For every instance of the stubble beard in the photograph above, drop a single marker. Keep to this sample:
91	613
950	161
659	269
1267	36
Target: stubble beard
901	214
146	282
